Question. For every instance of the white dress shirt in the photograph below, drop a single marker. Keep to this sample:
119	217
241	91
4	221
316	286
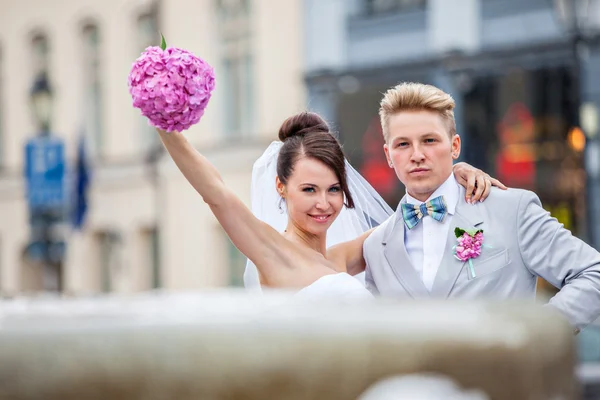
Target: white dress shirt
426	242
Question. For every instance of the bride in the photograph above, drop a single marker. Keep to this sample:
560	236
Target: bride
311	184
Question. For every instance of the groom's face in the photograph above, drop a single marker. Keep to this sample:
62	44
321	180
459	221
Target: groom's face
420	150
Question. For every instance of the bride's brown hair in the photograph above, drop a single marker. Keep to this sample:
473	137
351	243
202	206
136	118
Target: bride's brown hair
306	134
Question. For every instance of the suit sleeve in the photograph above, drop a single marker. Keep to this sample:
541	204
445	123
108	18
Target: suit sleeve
553	253
369	282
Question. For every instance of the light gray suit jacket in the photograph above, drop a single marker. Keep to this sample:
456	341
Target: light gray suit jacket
524	242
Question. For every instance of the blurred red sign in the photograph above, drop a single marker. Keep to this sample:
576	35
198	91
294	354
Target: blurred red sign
515	162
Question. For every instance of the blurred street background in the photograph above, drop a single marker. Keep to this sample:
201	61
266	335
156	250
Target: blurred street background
90	203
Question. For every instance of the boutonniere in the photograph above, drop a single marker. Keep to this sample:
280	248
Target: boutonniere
468	246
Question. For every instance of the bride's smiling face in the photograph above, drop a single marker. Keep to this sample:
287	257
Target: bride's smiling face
313	195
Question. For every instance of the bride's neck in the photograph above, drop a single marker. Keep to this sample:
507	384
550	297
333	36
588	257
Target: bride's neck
300	236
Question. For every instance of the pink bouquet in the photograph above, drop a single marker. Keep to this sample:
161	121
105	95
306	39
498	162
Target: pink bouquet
171	87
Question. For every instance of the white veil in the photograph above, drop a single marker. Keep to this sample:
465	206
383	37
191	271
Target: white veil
369	210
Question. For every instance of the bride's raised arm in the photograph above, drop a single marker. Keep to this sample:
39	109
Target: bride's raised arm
261	243
172	87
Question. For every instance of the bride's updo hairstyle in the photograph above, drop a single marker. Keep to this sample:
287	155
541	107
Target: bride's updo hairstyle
307	135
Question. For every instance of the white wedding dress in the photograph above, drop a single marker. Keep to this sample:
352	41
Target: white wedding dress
339	286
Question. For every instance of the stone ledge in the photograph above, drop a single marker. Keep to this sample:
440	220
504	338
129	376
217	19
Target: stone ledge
226	344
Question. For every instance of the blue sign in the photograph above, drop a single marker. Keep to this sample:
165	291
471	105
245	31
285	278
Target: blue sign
45	172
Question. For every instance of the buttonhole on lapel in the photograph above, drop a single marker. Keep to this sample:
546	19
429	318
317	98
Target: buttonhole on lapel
384	243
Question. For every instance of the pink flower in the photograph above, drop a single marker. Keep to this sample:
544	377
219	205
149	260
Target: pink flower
171	87
469	246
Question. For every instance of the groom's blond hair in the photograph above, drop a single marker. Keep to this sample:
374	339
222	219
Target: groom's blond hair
411	96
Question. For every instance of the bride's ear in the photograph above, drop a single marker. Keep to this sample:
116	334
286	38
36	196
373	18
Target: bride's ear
280	186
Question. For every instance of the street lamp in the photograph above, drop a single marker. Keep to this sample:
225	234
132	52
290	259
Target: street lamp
45	159
41	103
581	21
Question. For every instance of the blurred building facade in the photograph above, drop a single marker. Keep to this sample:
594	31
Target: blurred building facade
145	227
526	101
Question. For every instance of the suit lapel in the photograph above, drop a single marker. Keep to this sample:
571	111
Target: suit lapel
466	216
397	257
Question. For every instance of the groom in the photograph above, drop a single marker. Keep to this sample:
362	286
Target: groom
416	252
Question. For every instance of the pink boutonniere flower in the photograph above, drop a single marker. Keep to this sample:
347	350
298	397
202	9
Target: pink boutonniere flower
469	246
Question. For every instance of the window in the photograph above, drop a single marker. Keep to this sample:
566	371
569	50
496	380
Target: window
153	253
39	52
92	89
388	6
535	143
109	251
147	35
40	79
237	65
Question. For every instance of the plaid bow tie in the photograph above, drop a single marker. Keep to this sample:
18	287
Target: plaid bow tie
435	208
